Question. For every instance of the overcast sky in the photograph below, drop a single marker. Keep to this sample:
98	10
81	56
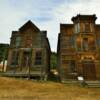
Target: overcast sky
45	14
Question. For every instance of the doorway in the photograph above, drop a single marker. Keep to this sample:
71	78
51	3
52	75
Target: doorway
26	59
89	72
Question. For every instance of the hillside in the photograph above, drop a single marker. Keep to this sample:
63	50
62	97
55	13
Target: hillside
21	89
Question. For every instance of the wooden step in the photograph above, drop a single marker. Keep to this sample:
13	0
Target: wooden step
95	84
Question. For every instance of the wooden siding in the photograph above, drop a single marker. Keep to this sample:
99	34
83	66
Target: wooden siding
74	50
32	40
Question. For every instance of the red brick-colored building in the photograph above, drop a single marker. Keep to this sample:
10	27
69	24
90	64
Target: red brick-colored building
79	49
29	52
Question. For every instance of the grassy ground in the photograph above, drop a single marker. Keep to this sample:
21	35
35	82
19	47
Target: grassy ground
21	89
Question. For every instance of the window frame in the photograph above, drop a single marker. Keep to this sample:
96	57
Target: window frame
38	58
14	58
87	27
18	41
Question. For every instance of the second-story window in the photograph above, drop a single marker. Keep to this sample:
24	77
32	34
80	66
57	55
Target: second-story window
78	43
77	28
87	27
18	41
85	44
28	40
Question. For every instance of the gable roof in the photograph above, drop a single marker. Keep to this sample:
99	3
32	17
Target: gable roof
27	25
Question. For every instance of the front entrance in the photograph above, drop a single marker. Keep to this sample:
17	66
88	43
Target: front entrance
26	59
89	70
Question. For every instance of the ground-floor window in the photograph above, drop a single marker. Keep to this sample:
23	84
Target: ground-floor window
38	58
72	66
14	60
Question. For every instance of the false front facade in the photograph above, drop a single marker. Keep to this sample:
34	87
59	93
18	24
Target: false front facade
79	49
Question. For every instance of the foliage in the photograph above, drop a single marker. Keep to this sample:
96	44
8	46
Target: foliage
53	60
3	51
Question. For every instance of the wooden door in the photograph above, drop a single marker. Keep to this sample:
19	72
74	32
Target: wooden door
89	70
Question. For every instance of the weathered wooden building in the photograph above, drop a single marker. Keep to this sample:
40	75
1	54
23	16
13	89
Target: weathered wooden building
79	49
29	52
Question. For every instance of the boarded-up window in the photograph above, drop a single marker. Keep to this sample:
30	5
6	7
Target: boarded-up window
38	58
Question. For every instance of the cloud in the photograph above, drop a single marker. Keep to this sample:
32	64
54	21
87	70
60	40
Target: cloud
66	11
46	14
16	13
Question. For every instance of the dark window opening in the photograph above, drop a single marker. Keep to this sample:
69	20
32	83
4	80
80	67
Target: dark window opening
18	41
72	65
15	56
38	58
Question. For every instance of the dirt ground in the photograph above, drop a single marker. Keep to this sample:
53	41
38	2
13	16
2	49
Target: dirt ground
21	89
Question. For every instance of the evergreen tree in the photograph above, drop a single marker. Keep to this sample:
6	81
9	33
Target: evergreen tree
53	60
